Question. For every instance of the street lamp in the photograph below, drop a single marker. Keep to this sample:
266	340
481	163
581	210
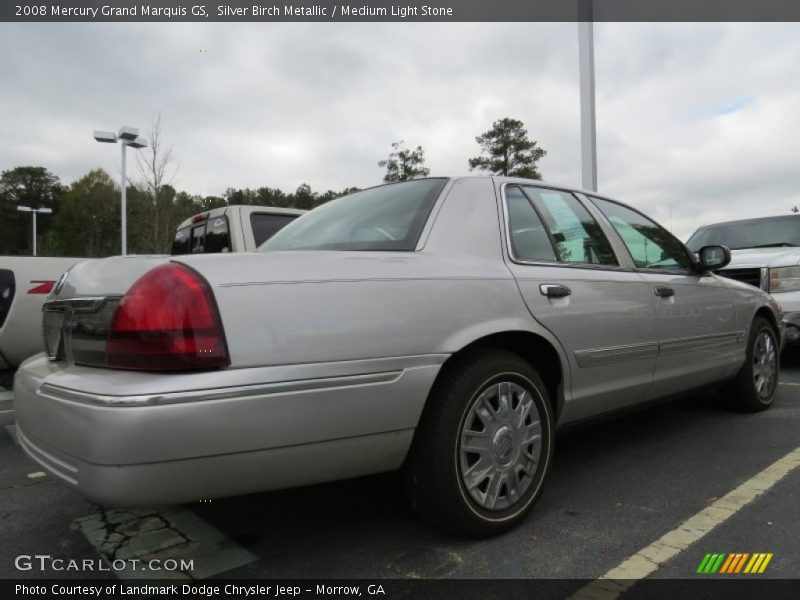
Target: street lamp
35	211
586	78
126	136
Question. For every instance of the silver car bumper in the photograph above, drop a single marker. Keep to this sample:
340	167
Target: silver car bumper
135	439
790	305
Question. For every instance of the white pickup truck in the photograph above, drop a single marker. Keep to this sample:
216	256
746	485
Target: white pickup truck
765	252
26	281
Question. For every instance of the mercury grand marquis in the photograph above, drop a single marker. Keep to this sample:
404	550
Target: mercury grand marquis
445	326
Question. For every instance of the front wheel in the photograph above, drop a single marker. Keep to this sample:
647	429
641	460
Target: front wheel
754	387
483	446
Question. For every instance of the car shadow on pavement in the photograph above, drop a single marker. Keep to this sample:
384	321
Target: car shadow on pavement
624	469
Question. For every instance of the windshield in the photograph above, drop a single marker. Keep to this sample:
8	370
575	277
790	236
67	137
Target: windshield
389	217
753	233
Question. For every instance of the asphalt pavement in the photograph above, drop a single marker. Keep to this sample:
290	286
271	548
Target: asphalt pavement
614	489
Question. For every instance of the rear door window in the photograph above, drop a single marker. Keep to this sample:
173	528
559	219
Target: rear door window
576	234
181	243
265	225
217	237
198	238
529	239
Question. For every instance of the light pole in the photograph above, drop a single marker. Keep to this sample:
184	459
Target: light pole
35	211
127	136
586	70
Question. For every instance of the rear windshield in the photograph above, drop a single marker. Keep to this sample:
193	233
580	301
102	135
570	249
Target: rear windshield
388	217
205	237
266	225
753	233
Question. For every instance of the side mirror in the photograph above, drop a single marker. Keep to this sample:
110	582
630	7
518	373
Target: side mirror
713	258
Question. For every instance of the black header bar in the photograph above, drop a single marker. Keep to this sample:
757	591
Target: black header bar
401	11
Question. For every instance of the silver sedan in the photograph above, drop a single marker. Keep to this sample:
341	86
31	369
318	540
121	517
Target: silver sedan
445	326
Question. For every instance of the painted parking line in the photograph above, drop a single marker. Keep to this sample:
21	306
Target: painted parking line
6	396
160	534
647	560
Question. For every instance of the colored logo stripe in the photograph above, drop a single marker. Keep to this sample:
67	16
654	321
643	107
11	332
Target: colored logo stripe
735	562
711	563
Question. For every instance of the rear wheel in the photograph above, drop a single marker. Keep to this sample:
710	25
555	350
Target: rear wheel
483	446
754	387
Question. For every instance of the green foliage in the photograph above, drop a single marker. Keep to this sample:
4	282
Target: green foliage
303	197
26	186
404	164
86	219
506	150
88	222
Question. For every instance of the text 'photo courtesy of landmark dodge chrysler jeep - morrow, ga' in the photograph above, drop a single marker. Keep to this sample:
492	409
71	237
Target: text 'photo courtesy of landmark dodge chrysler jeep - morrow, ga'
445	326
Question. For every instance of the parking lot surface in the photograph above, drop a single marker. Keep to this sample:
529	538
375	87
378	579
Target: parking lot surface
615	488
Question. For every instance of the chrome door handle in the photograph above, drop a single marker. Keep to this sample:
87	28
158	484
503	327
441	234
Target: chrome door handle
664	292
554	290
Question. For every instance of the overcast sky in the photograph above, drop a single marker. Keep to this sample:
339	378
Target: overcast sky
702	117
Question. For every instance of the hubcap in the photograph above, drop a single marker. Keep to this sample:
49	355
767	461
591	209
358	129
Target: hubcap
765	365
500	445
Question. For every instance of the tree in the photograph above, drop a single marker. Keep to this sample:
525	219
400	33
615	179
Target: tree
158	168
404	164
26	186
506	150
304	198
88	222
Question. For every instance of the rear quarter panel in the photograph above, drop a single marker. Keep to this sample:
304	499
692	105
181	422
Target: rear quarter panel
316	306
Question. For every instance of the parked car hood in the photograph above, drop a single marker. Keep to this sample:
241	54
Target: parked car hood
764	257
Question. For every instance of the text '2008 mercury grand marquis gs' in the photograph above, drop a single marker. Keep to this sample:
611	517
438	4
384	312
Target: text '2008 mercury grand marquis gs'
445	325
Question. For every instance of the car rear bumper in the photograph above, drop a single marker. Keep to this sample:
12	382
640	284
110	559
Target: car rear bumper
123	448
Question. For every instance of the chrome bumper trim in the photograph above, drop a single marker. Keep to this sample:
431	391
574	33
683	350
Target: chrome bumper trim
281	387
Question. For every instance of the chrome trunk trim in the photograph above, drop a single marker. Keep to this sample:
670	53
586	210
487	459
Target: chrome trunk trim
281	387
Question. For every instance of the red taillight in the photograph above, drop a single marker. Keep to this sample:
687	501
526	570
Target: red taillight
168	321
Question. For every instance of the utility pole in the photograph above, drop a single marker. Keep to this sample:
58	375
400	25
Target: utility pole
127	136
35	211
586	71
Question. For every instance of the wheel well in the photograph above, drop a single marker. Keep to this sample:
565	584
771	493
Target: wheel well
534	349
769	316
